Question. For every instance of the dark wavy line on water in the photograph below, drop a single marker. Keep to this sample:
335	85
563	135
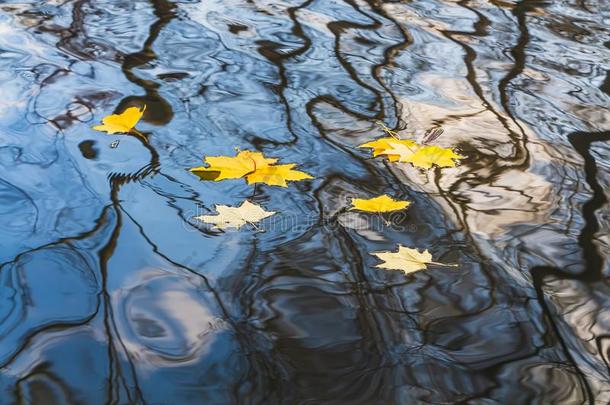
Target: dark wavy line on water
268	49
388	57
100	224
581	142
593	271
521	157
158	111
481	27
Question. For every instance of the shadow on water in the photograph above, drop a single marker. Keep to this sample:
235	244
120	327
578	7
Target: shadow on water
113	292
158	110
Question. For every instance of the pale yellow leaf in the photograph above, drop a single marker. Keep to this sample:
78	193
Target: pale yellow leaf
400	151
236	217
405	259
383	146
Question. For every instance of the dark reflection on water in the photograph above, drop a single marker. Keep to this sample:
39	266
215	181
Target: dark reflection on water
112	293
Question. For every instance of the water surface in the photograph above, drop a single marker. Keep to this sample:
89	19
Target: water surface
111	293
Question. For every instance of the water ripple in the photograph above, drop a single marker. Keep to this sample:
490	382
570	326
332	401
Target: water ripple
113	293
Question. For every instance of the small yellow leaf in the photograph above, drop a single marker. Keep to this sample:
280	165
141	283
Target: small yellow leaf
231	167
406	259
276	175
381	146
426	156
236	217
383	203
123	122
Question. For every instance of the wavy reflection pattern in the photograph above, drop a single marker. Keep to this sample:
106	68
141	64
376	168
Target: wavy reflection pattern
112	294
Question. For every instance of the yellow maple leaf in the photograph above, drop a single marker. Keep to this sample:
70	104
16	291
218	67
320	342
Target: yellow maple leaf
123	122
231	167
399	151
252	165
406	259
381	146
426	156
276	175
236	217
383	203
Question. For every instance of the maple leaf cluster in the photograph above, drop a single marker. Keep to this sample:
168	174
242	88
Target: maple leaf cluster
256	168
409	151
419	155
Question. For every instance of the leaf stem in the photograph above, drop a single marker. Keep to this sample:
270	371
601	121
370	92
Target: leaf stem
444	264
387	130
255	227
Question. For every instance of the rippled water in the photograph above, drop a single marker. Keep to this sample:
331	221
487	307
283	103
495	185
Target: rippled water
112	293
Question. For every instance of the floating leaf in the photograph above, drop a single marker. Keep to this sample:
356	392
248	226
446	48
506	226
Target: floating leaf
406	259
425	156
381	146
123	122
236	217
400	152
276	175
383	203
232	167
251	165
